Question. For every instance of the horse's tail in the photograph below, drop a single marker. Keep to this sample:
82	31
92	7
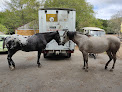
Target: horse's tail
4	42
118	44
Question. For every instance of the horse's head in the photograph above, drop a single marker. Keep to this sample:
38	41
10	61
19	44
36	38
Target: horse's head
68	36
57	38
65	37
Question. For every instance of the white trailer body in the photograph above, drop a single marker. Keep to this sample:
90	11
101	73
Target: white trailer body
61	19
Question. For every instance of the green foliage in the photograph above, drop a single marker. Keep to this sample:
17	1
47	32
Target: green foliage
19	12
104	24
113	25
3	29
84	11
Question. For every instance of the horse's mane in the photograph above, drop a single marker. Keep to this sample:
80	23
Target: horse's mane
44	33
47	32
71	35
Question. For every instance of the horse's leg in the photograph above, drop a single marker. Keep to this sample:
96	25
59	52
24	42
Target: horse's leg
39	53
114	61
94	55
85	57
10	61
84	64
110	58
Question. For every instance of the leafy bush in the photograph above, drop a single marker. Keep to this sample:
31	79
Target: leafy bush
3	29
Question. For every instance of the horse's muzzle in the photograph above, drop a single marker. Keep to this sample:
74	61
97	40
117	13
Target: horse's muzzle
62	43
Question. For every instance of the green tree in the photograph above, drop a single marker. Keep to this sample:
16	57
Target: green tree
115	22
84	11
10	20
3	29
20	12
104	24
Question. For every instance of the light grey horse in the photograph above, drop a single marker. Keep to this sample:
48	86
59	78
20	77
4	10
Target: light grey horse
110	44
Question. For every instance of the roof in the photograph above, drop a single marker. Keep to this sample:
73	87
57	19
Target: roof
58	9
93	28
29	26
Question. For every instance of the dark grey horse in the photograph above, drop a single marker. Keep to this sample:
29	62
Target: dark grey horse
36	42
110	44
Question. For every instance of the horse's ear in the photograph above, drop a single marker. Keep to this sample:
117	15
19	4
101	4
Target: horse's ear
65	32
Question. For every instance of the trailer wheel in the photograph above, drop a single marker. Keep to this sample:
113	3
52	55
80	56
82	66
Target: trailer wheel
45	55
68	55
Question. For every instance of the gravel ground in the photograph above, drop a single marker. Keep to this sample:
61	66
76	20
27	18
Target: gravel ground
59	74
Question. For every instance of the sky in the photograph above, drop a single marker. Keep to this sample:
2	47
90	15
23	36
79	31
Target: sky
2	4
104	9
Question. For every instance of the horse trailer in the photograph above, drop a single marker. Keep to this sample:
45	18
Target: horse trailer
61	19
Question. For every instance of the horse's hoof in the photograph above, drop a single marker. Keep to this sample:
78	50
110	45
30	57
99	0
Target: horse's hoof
86	70
12	68
39	66
111	70
83	68
106	67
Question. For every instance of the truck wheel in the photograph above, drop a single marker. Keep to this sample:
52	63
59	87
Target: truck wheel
68	55
45	55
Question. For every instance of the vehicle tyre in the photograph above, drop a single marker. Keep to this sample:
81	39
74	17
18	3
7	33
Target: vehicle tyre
68	55
45	55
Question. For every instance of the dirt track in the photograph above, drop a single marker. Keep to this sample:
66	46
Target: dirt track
59	74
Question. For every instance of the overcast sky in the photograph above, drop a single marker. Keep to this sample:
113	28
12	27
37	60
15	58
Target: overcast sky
104	8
